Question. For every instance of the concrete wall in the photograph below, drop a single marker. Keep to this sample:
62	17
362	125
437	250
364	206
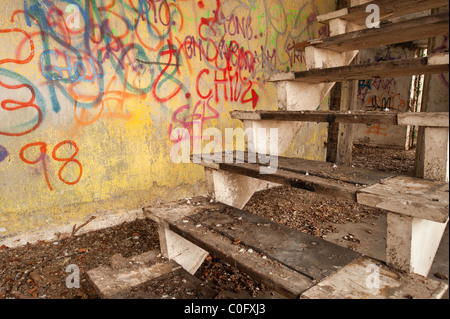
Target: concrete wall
391	94
90	92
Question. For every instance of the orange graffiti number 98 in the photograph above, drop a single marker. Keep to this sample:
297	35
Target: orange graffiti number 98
42	158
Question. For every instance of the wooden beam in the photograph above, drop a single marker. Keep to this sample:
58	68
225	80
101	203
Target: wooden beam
434	64
322	177
429	119
333	128
270	272
389	9
346	130
343	191
317	258
320	116
392	33
384	69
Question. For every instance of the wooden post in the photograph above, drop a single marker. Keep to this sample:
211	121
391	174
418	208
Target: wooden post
333	128
341	136
348	102
346	131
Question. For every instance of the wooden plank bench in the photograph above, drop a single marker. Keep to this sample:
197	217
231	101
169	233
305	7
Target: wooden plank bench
287	261
431	119
404	195
417	209
436	64
392	33
315	176
389	9
347	283
188	243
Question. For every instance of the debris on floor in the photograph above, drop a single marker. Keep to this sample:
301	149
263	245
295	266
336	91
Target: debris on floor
41	270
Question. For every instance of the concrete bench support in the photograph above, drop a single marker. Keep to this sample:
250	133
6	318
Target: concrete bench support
412	243
178	249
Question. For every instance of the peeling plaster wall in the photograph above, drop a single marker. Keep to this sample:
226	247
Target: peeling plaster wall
91	90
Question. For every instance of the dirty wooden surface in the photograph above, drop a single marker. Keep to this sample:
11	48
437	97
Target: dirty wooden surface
113	282
384	69
426	119
322	177
309	255
355	117
433	64
409	196
370	279
271	273
392	33
390	9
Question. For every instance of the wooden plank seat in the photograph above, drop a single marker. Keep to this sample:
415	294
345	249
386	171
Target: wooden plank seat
417	209
392	33
177	228
395	68
320	177
285	260
366	278
402	195
389	9
429	119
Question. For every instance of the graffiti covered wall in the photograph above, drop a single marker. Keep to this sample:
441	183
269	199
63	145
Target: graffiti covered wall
92	90
384	95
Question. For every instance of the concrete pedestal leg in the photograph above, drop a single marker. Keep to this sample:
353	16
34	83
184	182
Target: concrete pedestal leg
185	253
412	243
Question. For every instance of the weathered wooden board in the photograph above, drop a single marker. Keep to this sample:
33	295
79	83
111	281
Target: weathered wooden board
177	217
366	278
354	117
341	190
384	69
392	33
309	255
303	169
409	196
210	227
389	9
347	174
426	119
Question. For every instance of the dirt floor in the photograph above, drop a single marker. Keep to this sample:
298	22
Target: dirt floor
39	270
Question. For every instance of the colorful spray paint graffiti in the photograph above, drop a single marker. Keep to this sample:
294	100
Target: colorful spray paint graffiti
86	85
3	153
380	95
